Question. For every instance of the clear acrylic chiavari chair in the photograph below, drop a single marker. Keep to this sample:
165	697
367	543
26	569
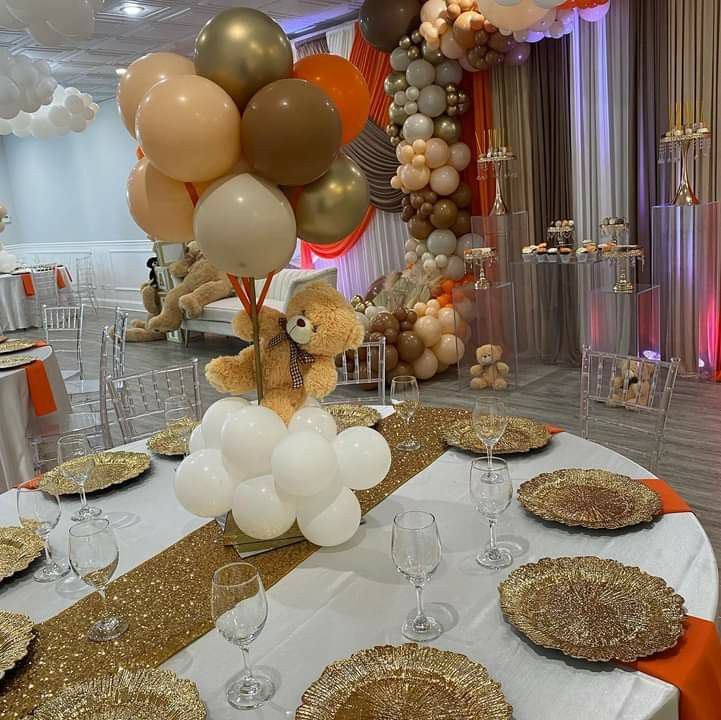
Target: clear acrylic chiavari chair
364	369
84	282
625	403
63	327
45	286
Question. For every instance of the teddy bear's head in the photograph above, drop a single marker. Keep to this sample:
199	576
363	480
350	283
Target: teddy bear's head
487	355
322	321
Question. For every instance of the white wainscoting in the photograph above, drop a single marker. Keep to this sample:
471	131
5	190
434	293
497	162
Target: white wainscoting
119	266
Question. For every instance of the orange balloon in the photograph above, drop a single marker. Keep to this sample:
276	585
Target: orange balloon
189	128
141	75
343	83
163	207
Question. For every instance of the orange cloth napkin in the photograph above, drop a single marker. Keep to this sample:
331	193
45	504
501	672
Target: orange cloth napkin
32	484
59	278
671	501
694	667
28	284
554	430
41	394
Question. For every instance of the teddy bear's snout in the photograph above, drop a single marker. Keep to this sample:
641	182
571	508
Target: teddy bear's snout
300	329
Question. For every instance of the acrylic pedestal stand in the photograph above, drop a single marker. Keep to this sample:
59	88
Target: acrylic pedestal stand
687	267
507	233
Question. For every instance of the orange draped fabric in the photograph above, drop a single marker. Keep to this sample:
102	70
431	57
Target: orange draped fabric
28	286
374	66
671	501
336	249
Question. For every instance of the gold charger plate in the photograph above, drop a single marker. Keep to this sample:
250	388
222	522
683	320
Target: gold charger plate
521	435
128	695
18	548
11	346
410	682
167	442
592	609
16	632
15	361
111	468
347	416
595	499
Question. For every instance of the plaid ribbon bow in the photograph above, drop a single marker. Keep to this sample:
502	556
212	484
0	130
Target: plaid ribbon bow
297	355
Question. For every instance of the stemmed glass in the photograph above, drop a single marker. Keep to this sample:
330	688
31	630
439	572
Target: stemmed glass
416	552
489	420
94	558
491	491
177	408
405	398
40	512
240	609
75	447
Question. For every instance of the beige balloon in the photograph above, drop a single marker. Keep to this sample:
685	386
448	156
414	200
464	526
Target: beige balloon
141	75
245	226
449	349
429	329
437	153
445	180
413	178
450	321
189	128
426	366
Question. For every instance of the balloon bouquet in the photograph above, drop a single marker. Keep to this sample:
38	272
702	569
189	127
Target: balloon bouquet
240	150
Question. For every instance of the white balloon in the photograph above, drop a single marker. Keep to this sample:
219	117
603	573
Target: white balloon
6	128
311	402
216	415
260	511
594	14
460	155
331	517
74	104
364	457
442	242
203	485
455	269
78	123
59	116
467	241
314	420
196	441
248	439
303	464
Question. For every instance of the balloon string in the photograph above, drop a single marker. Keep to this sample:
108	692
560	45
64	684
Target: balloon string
139	153
264	291
240	293
192	193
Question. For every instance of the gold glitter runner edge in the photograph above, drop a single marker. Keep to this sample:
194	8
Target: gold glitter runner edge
166	599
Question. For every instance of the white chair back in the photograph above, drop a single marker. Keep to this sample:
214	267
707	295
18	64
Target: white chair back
45	285
84	281
364	369
63	326
626	399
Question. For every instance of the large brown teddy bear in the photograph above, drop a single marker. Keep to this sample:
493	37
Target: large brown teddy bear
201	284
138	330
298	349
491	371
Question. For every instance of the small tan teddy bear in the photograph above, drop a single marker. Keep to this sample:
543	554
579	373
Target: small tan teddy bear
298	349
490	372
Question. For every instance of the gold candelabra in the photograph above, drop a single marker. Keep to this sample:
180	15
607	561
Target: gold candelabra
496	162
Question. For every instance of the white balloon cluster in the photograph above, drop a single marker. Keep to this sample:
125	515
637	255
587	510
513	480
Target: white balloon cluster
243	458
25	84
51	22
69	111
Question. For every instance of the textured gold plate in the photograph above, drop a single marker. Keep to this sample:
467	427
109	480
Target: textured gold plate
522	435
128	695
167	442
15	361
16	632
347	416
410	682
593	609
11	346
111	468
595	499
18	548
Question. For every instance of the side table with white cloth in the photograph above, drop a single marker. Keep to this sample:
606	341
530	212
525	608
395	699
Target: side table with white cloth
350	597
17	311
18	415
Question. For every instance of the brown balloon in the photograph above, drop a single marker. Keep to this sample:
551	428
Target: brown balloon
402	368
412	316
462	226
420	228
389	321
391	358
375	336
410	346
383	23
426	209
445	214
291	132
391	336
407	213
400	314
462	196
243	50
501	43
481	37
429	196
330	208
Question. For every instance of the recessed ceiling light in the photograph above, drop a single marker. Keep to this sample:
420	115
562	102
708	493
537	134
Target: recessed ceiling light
132	9
120	71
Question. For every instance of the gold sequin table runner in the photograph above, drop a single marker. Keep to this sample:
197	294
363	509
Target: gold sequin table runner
166	599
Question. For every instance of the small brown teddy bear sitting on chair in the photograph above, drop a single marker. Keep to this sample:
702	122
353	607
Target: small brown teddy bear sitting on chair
298	349
490	372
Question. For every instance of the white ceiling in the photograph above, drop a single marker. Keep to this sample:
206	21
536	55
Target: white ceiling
171	25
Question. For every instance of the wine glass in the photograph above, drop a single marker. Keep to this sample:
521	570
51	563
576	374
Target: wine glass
405	398
40	512
489	420
94	558
416	551
491	491
178	415
240	609
74	449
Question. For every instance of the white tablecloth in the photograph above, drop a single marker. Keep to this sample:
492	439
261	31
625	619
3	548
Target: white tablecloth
17	310
17	414
343	599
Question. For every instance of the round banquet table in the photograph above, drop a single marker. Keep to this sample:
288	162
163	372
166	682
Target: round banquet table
17	415
17	311
347	598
